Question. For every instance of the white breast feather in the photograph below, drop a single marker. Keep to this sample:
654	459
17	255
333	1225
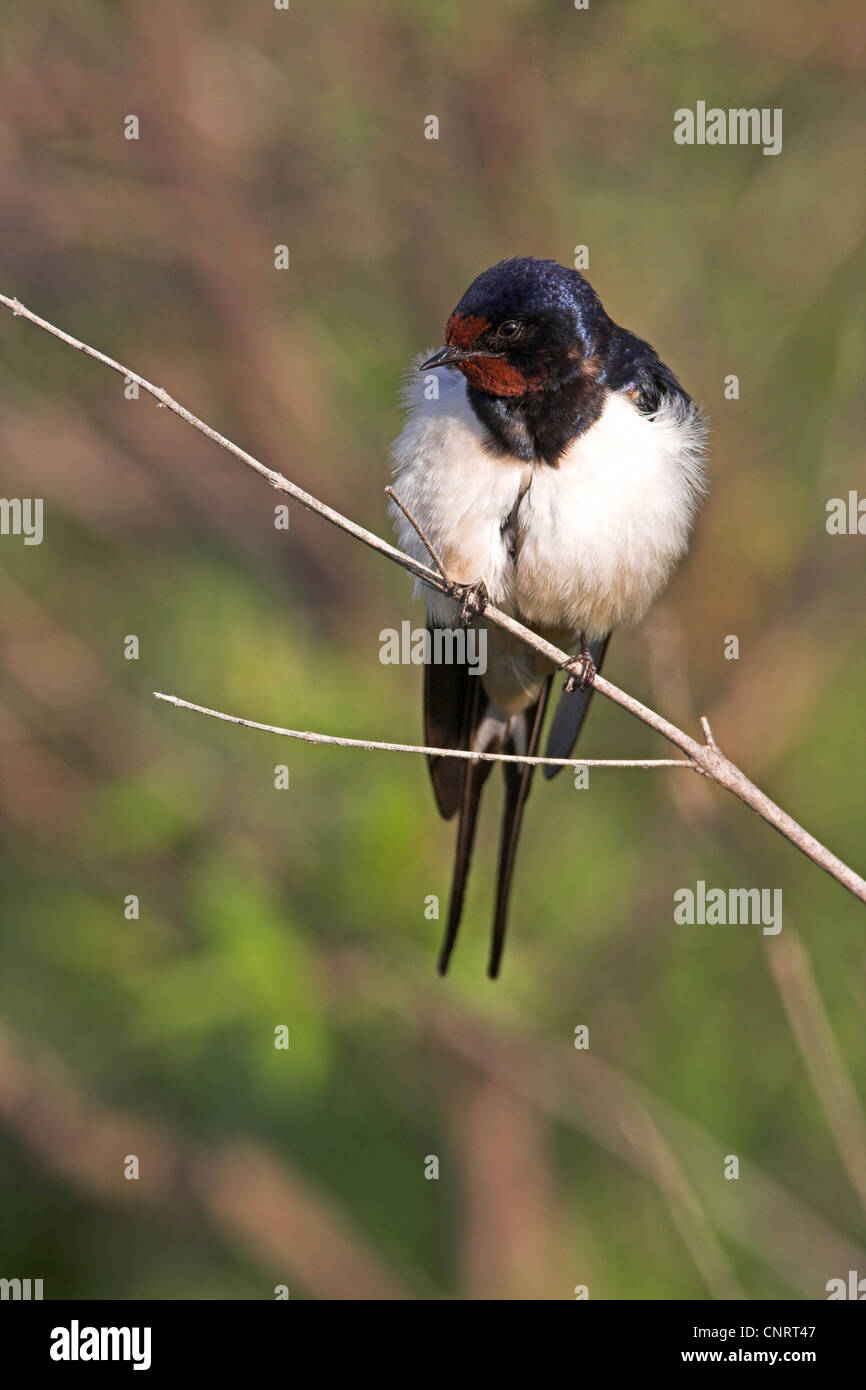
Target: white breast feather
598	536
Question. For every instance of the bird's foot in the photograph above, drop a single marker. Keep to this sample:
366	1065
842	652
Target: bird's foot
581	669
473	599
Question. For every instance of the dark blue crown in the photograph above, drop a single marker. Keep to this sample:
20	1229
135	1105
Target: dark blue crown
523	287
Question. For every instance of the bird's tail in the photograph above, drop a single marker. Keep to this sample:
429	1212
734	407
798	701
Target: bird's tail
472	786
523	739
493	733
486	732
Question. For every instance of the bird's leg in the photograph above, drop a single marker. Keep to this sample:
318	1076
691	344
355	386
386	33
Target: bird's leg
473	599
582	675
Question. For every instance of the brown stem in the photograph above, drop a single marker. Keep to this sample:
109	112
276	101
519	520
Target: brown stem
705	756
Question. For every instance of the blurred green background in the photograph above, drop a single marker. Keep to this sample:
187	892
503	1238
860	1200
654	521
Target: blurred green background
305	907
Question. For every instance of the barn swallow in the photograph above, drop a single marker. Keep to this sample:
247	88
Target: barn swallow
556	466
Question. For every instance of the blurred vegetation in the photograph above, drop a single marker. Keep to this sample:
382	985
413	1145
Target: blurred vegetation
306	907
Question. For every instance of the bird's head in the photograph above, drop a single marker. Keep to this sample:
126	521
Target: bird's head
524	326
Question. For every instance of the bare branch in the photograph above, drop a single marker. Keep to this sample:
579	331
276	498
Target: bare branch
706	756
373	746
414	522
708	733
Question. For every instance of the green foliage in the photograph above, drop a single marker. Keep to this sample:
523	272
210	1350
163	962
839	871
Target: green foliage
306	906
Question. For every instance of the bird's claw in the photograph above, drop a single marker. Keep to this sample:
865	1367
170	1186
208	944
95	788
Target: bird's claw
581	672
473	599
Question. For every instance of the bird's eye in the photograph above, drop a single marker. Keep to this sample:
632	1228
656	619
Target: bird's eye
509	329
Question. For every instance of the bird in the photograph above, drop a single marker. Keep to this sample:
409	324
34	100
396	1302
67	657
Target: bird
555	466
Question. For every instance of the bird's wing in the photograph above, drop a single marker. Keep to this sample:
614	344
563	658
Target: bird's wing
635	367
453	710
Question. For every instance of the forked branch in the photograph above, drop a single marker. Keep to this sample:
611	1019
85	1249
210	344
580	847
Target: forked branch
705	757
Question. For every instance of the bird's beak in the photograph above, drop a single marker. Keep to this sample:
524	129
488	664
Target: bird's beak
449	356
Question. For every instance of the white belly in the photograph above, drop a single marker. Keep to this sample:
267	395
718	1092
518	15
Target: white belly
593	540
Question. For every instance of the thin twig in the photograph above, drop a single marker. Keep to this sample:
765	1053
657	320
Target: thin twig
708	759
414	522
708	733
373	746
